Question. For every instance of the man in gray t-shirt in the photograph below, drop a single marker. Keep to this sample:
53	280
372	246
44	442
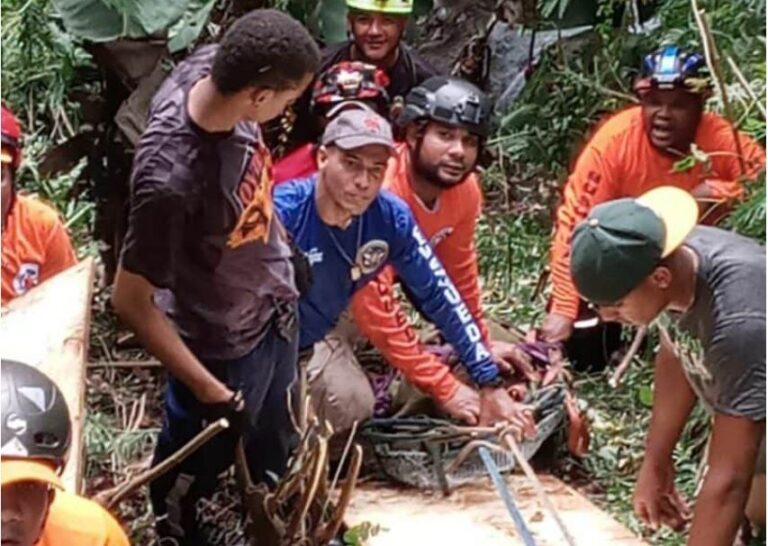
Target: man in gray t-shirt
639	259
205	250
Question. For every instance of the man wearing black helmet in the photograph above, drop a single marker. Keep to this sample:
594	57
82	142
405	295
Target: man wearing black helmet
445	121
36	433
637	150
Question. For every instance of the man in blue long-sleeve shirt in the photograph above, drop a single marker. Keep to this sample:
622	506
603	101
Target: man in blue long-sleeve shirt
349	231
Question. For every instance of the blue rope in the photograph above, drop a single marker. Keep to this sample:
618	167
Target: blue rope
506	496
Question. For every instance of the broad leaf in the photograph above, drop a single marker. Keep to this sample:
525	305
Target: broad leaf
186	31
107	20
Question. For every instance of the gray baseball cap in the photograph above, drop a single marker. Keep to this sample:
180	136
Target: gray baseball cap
358	128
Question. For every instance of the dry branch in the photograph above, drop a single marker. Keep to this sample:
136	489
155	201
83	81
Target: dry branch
112	497
712	56
622	368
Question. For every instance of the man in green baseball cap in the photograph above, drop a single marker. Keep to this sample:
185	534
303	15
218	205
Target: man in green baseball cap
641	259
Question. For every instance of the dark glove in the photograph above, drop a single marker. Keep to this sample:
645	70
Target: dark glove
233	410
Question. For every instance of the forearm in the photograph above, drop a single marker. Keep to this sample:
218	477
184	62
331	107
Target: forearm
440	301
719	509
732	454
380	318
565	298
673	402
159	338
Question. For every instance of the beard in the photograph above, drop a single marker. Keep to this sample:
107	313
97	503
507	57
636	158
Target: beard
431	172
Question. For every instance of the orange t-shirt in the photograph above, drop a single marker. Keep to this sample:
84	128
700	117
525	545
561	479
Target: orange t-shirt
77	521
35	247
619	161
450	227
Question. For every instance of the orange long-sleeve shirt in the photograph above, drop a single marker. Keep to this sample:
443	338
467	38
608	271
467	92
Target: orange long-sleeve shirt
619	161
35	247
450	227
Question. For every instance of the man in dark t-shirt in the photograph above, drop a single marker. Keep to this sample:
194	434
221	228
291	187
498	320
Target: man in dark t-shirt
637	259
205	250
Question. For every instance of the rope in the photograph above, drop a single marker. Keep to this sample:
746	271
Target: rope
506	496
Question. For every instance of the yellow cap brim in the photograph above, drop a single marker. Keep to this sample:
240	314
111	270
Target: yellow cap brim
26	470
677	209
6	156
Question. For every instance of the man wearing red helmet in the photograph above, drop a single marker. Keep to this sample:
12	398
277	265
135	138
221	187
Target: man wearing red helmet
636	150
347	85
35	242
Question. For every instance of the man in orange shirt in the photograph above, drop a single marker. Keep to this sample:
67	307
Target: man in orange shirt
445	121
637	150
36	434
35	243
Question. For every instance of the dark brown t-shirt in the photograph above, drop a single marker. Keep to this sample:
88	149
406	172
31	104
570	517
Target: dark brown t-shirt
202	225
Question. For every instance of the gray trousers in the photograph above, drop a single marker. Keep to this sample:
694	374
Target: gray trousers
340	391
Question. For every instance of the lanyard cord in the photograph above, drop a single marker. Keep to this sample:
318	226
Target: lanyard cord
355	271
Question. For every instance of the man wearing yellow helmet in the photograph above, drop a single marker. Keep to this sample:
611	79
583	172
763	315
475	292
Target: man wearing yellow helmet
376	28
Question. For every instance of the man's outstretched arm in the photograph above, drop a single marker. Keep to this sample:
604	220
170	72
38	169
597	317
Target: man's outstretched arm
720	505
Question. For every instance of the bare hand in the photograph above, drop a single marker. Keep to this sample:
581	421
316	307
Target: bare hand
497	406
656	500
556	328
511	359
464	405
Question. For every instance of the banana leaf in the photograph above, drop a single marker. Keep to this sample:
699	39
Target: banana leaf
107	20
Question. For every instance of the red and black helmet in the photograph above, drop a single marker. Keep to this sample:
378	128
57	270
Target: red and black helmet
350	81
11	138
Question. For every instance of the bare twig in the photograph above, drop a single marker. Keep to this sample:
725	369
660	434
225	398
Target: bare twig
511	443
622	368
745	85
114	496
333	526
712	55
343	459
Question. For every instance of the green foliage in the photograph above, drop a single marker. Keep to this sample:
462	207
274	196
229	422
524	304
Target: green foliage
361	533
749	217
106	20
190	26
619	421
42	66
568	94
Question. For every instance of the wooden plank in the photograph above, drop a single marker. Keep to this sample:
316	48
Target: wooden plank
48	328
476	515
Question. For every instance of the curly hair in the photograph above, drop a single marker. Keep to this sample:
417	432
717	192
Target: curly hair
264	48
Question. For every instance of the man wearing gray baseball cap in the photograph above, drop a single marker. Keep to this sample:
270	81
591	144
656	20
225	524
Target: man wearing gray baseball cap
349	231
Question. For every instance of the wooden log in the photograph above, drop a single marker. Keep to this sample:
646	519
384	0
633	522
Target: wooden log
48	328
474	514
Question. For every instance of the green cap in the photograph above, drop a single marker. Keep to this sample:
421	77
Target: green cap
623	241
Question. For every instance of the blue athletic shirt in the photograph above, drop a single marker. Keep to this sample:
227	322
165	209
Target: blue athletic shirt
387	234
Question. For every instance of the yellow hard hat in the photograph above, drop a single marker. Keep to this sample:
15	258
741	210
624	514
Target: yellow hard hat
395	7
